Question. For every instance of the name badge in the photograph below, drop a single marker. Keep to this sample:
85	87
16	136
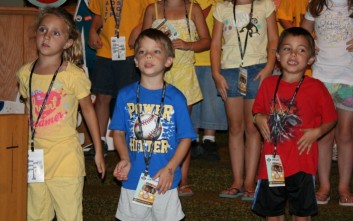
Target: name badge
242	80
275	171
118	48
145	193
35	171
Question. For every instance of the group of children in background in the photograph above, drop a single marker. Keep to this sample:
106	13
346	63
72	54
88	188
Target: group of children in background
151	123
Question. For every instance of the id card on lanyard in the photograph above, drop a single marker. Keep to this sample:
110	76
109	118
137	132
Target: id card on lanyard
117	43
145	193
243	73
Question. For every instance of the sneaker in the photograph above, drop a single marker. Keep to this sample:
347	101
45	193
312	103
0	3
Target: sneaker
90	152
196	150
210	149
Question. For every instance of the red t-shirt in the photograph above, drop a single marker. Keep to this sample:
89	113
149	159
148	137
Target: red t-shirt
312	107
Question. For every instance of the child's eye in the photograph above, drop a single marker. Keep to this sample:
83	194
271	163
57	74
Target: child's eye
157	51
301	50
41	29
141	52
286	49
56	33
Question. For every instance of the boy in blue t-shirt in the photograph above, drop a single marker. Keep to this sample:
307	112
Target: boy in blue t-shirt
152	134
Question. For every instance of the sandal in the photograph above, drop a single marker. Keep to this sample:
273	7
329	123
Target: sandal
248	196
322	198
185	190
346	200
231	192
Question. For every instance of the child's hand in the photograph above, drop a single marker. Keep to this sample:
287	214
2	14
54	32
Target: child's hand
94	41
99	160
262	125
122	170
166	176
308	138
222	85
264	73
180	44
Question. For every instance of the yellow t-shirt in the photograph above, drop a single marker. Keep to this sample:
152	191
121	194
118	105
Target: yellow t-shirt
256	52
292	10
131	16
56	130
203	58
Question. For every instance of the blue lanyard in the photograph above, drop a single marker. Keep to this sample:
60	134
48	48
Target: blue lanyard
148	153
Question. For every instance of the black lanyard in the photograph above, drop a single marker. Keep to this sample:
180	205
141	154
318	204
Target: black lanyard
147	154
32	125
286	112
186	17
117	19
242	52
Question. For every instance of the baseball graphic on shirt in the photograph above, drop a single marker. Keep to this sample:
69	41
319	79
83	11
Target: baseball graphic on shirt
149	127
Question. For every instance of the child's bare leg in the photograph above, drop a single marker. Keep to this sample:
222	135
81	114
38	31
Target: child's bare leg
101	107
252	147
324	167
234	108
275	218
185	169
344	139
299	218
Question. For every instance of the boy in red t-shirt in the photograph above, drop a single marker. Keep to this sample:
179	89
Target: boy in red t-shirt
291	112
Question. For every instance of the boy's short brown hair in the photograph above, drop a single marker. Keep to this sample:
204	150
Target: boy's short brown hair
157	36
297	31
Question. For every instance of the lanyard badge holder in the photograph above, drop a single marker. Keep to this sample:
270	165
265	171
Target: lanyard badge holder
118	45
243	73
35	169
275	171
145	193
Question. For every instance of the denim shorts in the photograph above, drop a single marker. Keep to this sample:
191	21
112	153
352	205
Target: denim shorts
210	112
109	76
342	95
232	77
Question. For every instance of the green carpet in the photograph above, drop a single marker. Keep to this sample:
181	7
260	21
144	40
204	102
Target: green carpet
207	179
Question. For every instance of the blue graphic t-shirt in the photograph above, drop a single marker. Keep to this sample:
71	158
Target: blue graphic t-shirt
175	124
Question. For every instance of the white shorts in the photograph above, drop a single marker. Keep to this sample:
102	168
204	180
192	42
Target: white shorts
165	207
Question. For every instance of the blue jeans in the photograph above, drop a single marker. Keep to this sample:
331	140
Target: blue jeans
210	112
232	77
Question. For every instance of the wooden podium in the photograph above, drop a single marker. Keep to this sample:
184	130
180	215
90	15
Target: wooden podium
13	167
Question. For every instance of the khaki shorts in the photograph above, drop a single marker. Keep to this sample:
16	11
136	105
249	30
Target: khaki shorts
166	207
58	196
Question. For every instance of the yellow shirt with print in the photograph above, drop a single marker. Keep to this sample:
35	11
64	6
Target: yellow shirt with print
56	131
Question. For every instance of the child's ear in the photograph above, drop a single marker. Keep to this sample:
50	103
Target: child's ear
68	44
277	56
169	62
136	62
311	60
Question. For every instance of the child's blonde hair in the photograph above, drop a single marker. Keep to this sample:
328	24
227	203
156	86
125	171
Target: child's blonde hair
73	53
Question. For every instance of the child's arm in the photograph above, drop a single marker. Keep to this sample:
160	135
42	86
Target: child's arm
134	34
148	17
204	41
312	134
216	46
90	116
261	121
93	39
122	169
272	32
166	174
